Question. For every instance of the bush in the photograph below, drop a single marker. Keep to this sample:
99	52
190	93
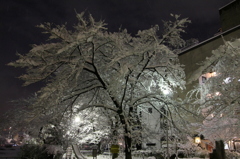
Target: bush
230	155
35	151
158	156
147	153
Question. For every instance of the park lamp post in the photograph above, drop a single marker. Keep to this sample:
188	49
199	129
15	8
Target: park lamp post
167	92
197	140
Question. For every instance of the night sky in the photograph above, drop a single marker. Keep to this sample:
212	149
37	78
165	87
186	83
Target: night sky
18	19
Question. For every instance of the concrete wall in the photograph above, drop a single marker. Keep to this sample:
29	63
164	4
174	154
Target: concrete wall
229	15
193	56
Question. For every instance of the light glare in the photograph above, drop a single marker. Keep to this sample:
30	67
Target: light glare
166	92
77	119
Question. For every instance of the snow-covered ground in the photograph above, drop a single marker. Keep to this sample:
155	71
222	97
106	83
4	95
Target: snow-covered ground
109	156
87	154
121	156
134	157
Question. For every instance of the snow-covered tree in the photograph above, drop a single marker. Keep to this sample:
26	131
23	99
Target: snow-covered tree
87	126
116	74
219	95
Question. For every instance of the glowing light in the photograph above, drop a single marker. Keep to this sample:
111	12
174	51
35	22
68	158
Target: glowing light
166	91
213	74
77	119
197	140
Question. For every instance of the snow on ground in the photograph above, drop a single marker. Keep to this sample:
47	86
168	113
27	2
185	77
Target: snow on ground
134	157
121	156
109	156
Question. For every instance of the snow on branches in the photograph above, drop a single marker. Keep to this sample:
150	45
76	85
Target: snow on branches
116	72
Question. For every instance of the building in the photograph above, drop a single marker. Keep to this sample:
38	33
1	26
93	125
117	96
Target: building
192	56
195	54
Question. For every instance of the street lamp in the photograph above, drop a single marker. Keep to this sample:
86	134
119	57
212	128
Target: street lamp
9	132
77	119
197	140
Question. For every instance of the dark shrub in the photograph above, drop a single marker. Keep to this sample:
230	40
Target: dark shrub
35	151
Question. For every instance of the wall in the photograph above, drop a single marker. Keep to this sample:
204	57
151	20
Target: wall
229	15
193	56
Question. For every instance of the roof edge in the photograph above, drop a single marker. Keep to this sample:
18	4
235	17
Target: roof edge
212	38
226	5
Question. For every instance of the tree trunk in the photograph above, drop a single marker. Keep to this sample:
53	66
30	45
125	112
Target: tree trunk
127	136
218	152
128	145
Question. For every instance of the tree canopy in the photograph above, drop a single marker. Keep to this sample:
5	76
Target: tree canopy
114	74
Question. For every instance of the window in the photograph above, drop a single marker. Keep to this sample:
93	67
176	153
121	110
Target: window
206	76
150	110
204	79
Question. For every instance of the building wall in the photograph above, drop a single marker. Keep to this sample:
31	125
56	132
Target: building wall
152	119
193	56
229	15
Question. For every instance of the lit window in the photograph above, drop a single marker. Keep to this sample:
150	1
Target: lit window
213	74
206	76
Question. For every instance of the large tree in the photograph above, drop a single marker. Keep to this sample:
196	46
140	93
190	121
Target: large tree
219	94
88	67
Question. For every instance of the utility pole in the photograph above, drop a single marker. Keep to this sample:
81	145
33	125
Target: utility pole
167	139
165	127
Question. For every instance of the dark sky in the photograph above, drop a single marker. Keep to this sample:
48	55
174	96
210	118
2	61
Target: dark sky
18	19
